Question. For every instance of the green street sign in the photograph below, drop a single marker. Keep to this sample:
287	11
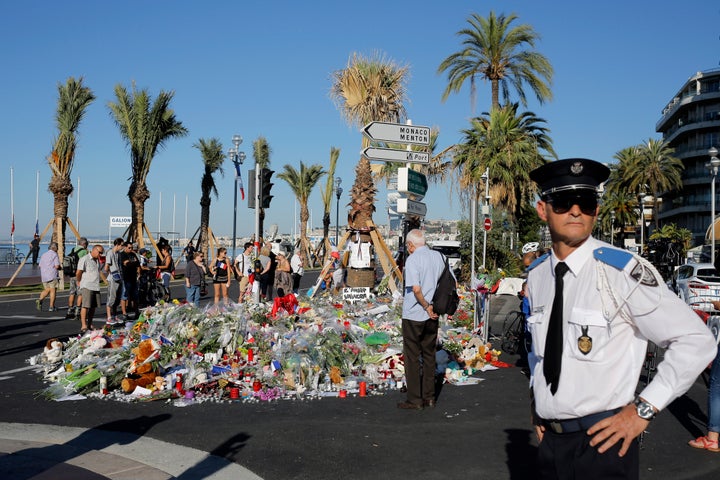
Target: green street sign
410	181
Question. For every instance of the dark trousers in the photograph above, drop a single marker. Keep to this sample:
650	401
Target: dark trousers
419	341
569	456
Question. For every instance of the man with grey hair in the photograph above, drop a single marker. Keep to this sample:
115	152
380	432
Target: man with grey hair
419	322
74	298
49	266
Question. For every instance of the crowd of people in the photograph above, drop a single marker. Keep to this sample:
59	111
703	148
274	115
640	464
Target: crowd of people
131	278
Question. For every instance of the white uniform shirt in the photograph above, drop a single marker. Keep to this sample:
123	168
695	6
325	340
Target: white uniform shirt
606	377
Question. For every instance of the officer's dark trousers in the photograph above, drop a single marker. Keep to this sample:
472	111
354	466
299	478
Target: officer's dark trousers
569	456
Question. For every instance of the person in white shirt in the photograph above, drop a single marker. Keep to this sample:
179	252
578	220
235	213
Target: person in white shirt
590	334
296	263
88	278
243	267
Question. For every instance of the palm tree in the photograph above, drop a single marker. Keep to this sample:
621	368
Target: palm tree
213	157
368	89
327	196
261	155
657	169
495	51
619	208
73	100
145	126
509	145
301	183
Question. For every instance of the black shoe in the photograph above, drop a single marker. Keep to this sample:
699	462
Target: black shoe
409	406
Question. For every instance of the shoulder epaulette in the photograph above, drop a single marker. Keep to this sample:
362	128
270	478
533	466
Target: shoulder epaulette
538	261
613	256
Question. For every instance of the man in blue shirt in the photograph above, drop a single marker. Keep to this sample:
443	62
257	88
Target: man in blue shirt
420	323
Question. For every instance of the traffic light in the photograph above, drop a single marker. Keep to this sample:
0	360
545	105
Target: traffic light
265	187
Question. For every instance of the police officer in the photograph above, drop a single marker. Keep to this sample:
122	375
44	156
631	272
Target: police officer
592	310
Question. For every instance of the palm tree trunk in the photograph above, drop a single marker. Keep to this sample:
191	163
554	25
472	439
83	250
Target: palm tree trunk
495	86
203	237
61	188
138	194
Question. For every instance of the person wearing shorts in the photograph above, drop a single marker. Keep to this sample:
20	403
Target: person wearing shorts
88	278
114	281
49	266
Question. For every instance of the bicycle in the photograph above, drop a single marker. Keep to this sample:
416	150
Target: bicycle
12	256
648	370
514	334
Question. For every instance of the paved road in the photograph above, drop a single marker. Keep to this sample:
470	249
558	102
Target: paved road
478	431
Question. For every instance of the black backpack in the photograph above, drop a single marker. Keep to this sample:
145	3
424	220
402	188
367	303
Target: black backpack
257	266
445	300
70	262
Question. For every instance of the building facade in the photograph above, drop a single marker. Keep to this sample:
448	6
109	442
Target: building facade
690	124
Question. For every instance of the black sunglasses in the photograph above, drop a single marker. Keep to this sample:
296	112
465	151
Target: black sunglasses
563	203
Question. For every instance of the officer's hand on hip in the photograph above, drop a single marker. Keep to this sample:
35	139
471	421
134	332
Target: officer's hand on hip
625	426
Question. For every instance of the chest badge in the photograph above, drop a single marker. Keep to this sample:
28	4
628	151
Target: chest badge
584	342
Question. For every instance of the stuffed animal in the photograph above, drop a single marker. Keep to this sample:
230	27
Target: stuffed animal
53	350
143	369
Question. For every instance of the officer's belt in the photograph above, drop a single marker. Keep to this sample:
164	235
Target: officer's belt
581	424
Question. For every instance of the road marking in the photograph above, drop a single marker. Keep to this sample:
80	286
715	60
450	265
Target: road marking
22	369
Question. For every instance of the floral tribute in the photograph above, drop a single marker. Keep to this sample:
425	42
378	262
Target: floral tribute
248	352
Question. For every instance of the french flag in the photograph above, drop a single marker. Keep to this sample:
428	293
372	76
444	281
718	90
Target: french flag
238	177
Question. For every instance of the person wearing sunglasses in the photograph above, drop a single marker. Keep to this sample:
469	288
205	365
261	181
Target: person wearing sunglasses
593	308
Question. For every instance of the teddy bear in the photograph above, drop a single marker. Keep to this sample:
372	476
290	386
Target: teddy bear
53	350
143	369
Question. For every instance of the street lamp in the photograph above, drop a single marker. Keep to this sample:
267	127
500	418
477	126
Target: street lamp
486	210
338	192
612	228
642	223
712	165
237	157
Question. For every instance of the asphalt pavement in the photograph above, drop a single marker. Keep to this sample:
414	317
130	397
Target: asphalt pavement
476	431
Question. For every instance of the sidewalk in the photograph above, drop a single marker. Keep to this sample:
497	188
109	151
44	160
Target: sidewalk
27	275
33	451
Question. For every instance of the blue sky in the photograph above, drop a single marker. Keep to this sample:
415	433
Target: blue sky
264	68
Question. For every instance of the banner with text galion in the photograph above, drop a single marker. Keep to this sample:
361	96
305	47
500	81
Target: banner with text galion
120	222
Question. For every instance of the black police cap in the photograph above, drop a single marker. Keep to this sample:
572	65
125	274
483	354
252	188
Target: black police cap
570	174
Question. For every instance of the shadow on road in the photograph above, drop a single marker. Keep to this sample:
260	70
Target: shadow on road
227	450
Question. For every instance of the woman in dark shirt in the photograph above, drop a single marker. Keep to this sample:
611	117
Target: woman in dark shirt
220	270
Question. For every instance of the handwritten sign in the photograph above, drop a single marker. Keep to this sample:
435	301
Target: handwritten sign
356	294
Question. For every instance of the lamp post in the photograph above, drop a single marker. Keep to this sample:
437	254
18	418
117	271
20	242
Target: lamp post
237	157
642	223
338	192
612	228
712	165
486	210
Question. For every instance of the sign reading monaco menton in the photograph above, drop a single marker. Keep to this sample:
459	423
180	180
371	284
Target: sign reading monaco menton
397	133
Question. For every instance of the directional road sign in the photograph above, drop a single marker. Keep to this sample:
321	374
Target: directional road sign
392	155
405	205
410	181
397	133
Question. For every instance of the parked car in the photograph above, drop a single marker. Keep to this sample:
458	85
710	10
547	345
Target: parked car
451	249
698	284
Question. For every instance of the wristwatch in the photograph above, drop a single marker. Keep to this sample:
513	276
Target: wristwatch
644	409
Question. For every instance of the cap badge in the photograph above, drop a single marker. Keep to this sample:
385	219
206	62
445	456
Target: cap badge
576	168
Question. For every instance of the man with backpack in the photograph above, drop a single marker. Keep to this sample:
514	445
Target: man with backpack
70	265
419	322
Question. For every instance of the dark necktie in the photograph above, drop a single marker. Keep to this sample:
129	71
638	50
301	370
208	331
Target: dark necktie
552	362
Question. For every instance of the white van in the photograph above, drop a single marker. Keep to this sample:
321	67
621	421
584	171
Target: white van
451	249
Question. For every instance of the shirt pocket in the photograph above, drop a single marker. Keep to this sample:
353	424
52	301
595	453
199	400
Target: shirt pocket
587	335
537	326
